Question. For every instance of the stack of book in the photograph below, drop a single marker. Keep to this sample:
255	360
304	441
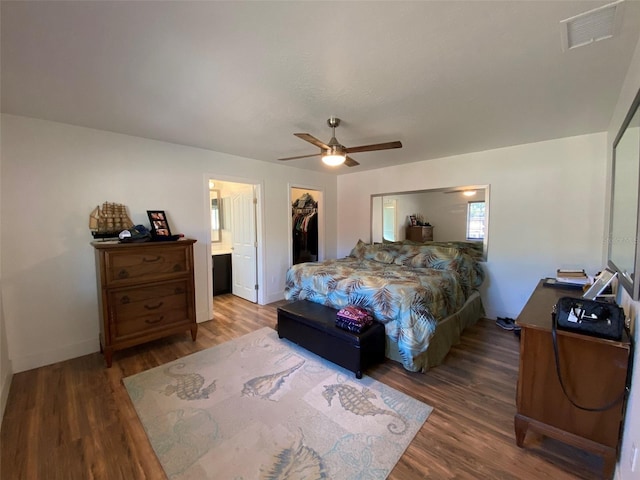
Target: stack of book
573	277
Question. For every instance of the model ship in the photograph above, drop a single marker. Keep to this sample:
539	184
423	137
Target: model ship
109	220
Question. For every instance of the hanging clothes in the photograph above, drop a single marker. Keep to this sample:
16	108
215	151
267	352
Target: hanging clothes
305	230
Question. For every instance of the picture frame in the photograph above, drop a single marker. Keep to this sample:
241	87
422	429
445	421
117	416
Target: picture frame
159	223
601	282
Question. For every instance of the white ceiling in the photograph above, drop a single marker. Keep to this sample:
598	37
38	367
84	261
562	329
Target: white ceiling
443	77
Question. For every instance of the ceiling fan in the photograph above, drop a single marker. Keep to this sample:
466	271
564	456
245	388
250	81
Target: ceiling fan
333	153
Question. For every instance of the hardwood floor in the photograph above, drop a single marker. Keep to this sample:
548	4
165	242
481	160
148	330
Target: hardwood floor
73	420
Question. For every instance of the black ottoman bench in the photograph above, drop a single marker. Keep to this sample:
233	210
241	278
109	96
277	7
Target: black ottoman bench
312	326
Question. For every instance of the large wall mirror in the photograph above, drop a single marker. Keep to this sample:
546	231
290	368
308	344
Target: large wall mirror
623	229
455	214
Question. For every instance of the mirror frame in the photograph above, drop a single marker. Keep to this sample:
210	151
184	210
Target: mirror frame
487	197
629	282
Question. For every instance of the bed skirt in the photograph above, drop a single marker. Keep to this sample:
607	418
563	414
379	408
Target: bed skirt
447	334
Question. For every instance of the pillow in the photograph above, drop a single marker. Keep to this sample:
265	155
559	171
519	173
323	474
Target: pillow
468	269
378	252
358	250
474	249
427	256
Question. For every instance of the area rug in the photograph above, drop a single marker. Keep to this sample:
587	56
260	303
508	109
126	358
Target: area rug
259	407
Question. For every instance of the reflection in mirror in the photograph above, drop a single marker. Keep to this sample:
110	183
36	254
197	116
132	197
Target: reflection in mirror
389	219
623	229
216	216
455	213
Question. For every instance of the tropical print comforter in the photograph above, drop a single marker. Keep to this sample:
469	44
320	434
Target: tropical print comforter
408	287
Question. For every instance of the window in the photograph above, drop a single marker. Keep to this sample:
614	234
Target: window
475	221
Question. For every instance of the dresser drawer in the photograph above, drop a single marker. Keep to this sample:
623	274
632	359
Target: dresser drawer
127	266
150	307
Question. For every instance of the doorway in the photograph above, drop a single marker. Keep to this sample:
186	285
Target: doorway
234	213
306	225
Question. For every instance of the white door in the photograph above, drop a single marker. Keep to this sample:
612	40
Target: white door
389	221
245	245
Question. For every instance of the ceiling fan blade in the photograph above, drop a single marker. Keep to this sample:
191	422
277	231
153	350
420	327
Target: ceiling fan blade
377	146
300	156
350	162
311	139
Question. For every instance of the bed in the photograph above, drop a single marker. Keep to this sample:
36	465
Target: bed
424	294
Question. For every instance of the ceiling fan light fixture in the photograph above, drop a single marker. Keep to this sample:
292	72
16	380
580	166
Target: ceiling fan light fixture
333	160
335	156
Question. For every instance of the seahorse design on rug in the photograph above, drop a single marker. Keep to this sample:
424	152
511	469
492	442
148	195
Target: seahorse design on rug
295	462
267	385
189	385
358	403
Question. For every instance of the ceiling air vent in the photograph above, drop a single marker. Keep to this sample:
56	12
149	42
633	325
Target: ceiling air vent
592	26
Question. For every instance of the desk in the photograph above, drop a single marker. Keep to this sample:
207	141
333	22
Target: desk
594	371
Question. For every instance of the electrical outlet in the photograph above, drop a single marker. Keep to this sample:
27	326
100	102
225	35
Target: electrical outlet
634	457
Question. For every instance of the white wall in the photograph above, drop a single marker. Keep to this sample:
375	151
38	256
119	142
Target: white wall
54	174
631	430
407	205
545	210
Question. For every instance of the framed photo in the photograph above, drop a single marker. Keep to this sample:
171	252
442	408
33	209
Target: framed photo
159	224
602	281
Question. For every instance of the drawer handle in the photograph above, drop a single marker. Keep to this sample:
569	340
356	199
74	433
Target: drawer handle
124	300
123	274
152	260
153	307
178	267
151	322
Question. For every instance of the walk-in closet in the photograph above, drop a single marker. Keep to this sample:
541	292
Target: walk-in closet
305	228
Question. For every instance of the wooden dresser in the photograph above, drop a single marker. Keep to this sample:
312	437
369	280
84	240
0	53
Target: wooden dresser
145	291
594	371
420	234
